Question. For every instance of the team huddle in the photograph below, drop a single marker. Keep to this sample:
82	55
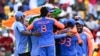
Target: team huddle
38	38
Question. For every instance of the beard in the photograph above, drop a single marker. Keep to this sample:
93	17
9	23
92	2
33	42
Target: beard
80	30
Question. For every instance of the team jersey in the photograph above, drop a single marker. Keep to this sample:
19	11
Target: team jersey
82	50
74	29
44	25
68	46
86	48
21	41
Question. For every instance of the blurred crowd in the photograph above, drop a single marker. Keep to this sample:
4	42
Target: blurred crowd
6	42
88	10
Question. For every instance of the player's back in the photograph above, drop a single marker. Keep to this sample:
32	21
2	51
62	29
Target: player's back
45	27
68	46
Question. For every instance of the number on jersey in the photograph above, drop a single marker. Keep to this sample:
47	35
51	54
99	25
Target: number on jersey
66	41
43	28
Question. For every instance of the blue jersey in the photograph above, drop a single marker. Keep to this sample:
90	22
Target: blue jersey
45	26
20	40
83	50
68	46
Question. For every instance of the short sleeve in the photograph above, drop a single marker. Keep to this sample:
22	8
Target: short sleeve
20	27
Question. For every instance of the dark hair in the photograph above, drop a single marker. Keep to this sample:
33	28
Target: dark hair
43	11
90	16
20	8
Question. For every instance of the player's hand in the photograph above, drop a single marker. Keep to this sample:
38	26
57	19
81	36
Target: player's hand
70	34
36	33
57	32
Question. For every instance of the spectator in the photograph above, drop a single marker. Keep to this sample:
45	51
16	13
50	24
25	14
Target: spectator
51	4
1	50
41	2
98	42
16	6
92	7
2	14
7	44
33	4
2	53
93	2
98	25
91	23
98	38
95	33
0	32
11	4
80	5
69	10
25	5
96	29
98	10
7	10
80	8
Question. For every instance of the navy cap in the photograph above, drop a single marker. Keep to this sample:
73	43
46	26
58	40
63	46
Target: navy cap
70	23
80	22
19	14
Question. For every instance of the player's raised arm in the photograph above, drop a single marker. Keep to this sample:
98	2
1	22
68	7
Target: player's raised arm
74	30
58	24
58	36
